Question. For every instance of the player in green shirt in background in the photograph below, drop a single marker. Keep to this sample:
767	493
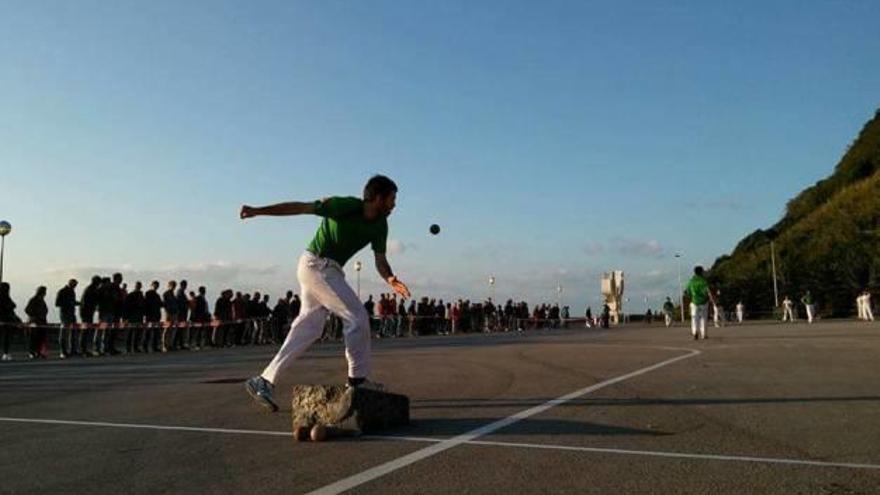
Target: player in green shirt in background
348	225
700	295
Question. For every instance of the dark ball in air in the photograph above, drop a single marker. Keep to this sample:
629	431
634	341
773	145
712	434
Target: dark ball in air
435	229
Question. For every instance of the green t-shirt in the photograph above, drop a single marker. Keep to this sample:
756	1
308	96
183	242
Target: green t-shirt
698	290
344	231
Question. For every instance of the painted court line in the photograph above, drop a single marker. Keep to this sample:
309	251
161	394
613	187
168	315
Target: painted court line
569	448
194	429
401	462
678	455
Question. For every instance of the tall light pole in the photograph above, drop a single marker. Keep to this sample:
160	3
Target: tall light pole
5	229
680	289
357	267
773	263
492	288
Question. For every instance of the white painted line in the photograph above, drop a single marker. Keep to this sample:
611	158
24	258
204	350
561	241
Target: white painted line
195	429
570	448
401	462
678	455
144	427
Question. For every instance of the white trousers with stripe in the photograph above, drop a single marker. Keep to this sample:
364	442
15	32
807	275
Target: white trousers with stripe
323	286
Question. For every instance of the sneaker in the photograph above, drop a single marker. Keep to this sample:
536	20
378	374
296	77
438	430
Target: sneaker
261	391
6	357
367	385
62	356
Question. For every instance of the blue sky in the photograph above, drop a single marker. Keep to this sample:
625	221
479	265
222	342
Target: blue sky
551	140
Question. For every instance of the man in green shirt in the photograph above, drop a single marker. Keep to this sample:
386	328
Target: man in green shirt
700	295
348	225
807	301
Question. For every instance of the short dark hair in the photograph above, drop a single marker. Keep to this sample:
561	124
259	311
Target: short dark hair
379	186
698	270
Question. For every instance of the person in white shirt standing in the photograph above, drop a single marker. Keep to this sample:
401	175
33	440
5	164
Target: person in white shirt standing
740	312
788	310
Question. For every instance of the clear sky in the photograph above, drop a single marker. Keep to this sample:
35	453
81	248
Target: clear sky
550	140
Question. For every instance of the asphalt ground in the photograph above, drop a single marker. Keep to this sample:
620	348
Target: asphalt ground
759	408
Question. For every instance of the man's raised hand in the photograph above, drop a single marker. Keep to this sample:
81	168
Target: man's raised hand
247	212
399	287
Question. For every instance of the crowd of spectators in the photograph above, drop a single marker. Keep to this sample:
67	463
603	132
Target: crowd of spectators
108	315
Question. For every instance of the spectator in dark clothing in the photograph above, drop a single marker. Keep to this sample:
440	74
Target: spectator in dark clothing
181	337
169	302
201	315
153	318
222	317
280	315
37	311
117	293
8	320
135	304
87	309
65	301
239	313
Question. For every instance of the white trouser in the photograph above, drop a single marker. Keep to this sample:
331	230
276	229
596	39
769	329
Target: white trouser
698	319
718	310
866	307
668	318
787	313
860	308
809	308
739	316
323	287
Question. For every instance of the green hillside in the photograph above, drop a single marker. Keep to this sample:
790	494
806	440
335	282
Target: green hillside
827	242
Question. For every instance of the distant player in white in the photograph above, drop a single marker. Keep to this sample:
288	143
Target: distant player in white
718	310
866	306
787	310
740	312
348	225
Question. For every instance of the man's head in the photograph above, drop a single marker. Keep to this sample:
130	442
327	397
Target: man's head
202	290
183	285
380	195
698	270
172	284
154	285
137	286
72	283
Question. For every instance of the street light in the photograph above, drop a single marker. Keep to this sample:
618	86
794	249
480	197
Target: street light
492	288
559	295
357	267
680	290
5	229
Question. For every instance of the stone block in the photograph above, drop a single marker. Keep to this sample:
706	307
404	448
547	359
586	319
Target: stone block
348	411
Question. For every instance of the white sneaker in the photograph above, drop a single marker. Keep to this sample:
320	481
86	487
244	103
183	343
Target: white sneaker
6	357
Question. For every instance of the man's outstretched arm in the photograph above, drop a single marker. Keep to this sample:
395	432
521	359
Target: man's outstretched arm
278	210
384	270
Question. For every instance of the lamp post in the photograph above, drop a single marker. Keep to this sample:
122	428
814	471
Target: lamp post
357	267
5	229
559	295
680	290
492	288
